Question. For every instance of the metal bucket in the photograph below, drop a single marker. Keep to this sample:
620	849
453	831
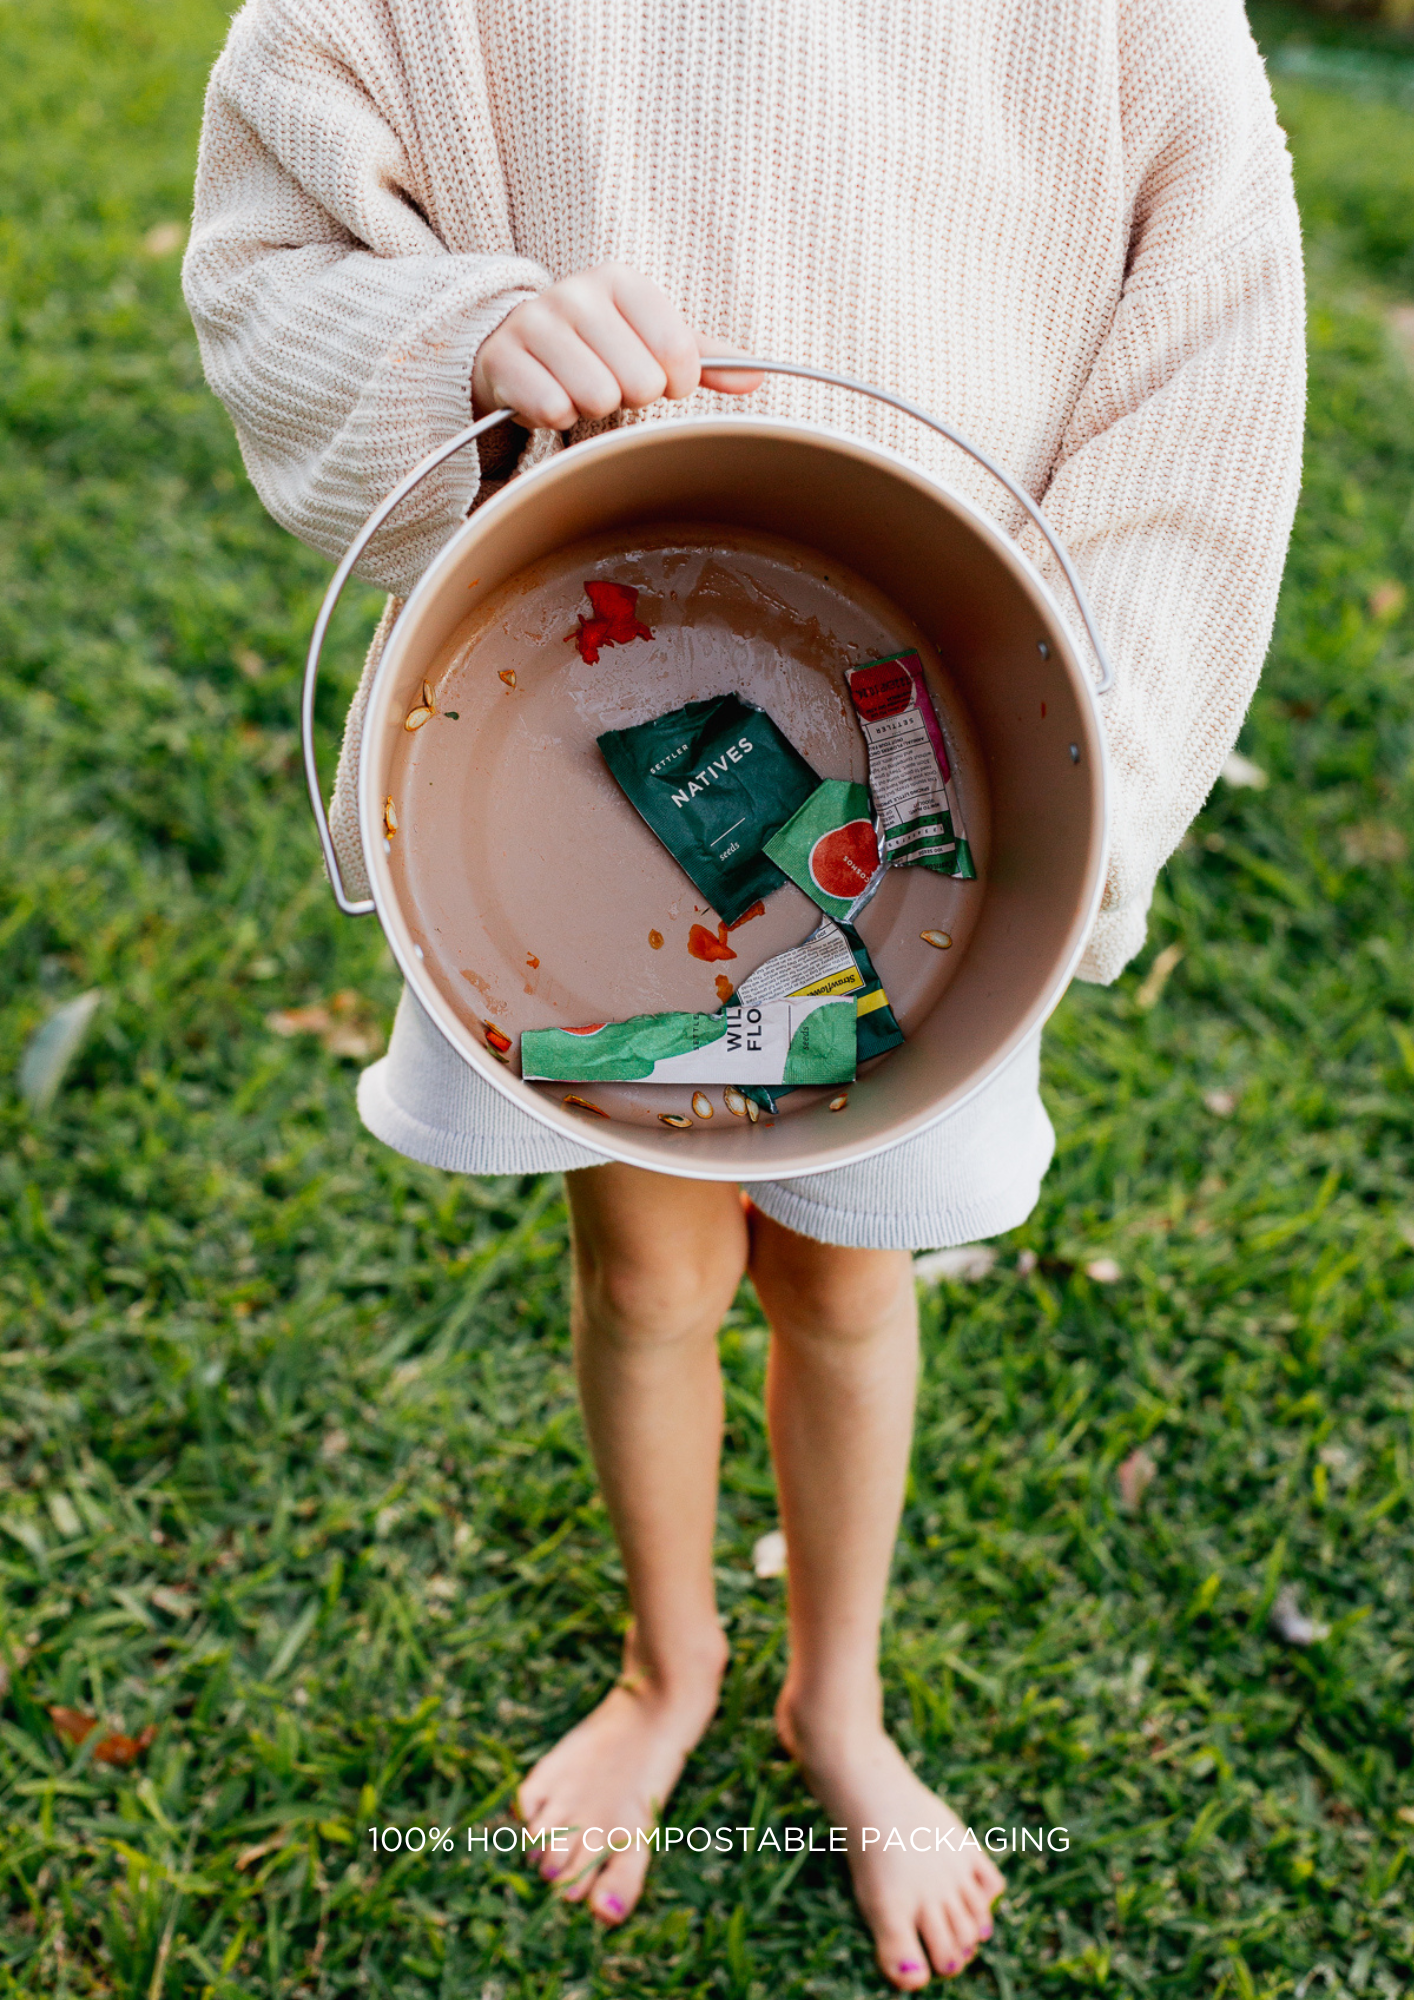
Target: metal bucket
494	913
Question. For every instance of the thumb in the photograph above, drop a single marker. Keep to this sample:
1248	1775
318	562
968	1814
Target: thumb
728	382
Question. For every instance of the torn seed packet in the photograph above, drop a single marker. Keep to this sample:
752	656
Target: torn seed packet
833	959
789	1041
830	848
714	780
909	773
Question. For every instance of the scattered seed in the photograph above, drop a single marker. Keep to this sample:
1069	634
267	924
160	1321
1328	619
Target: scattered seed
655	938
416	717
429	700
753	1109
508	675
390	818
676	1120
839	1103
583	1104
498	1039
939	940
735	1102
701	1104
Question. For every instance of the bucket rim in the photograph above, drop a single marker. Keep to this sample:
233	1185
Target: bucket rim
519	492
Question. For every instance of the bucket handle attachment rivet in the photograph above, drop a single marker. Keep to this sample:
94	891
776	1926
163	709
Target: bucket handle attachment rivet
364	906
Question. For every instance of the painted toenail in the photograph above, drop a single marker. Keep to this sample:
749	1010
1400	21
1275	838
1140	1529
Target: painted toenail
614	1906
910	1965
951	1965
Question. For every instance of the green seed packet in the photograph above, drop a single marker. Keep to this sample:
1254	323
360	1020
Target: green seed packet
714	780
829	848
833	959
790	1041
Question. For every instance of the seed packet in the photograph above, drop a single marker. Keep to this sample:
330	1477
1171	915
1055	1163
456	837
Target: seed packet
714	780
830	848
909	773
787	1041
833	959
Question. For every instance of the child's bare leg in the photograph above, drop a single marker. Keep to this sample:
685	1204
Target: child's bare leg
656	1265
840	1392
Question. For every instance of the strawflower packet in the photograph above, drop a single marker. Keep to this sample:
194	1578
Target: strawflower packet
809	1040
833	959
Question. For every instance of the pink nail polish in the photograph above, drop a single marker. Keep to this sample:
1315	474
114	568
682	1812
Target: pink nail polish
951	1965
614	1906
986	1933
910	1965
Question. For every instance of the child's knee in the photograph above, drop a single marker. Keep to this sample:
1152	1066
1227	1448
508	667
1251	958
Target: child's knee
654	1296
819	1293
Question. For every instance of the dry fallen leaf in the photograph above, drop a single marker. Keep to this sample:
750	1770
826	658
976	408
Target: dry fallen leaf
248	1855
1386	599
342	1025
164	238
178	1603
1242	772
1290	1622
1135	1477
1157	977
962	1265
1103	1271
768	1557
1221	1103
75	1727
1373	842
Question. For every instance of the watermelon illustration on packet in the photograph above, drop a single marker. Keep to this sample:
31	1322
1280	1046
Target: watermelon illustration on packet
830	848
909	773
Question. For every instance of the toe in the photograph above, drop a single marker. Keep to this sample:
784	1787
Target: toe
944	1947
902	1959
618	1886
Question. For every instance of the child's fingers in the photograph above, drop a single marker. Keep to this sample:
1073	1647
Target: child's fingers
560	348
735	382
512	379
640	376
660	326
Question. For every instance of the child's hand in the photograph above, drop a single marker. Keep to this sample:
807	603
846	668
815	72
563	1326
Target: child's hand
598	341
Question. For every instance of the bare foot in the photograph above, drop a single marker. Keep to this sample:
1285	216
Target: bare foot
610	1778
925	1896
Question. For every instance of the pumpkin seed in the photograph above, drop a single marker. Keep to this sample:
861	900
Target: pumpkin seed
939	940
701	1104
676	1120
498	1039
735	1102
508	675
390	818
753	1109
583	1104
839	1103
416	717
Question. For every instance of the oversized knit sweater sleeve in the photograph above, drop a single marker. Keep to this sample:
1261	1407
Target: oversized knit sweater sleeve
335	322
1178	475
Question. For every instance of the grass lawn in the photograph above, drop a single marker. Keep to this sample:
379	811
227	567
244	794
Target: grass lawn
290	1470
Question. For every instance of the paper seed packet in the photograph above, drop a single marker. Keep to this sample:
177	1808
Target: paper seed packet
830	848
909	773
714	780
833	959
806	1040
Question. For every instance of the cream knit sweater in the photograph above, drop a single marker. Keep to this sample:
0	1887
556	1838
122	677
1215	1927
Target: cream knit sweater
1067	225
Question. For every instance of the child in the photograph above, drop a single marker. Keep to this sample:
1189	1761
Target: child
1065	224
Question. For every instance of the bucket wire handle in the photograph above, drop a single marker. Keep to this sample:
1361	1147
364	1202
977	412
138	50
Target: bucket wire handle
364	906
1018	493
